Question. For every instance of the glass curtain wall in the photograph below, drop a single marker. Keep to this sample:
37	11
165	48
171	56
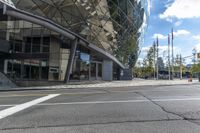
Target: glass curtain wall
81	66
113	25
40	54
87	66
30	46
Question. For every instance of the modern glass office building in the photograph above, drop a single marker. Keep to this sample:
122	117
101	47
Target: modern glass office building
70	40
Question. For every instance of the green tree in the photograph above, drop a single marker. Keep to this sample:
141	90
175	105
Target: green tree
148	63
195	68
137	70
146	67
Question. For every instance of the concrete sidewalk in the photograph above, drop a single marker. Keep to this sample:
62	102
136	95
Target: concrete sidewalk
134	82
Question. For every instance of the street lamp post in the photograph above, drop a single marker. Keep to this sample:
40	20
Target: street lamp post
169	73
154	49
172	54
181	71
157	58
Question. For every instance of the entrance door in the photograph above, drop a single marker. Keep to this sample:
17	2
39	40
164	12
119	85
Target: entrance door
99	71
95	71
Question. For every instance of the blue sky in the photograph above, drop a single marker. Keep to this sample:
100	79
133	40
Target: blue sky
181	15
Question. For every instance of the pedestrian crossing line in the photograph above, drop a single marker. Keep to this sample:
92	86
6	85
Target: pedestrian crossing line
12	110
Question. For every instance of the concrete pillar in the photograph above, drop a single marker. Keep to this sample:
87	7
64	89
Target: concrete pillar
54	59
107	70
64	57
5	66
71	60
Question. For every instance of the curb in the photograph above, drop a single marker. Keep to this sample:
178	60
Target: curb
97	87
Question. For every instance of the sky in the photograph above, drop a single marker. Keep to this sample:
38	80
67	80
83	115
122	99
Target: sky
181	15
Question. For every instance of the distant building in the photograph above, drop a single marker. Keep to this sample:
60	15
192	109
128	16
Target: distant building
66	40
161	65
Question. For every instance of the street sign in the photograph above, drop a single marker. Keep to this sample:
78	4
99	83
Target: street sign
198	55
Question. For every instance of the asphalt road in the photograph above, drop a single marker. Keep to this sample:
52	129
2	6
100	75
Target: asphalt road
148	109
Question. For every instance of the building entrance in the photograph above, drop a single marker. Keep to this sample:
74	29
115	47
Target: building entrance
95	71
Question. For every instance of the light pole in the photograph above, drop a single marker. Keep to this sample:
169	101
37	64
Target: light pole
169	73
154	52
157	58
172	54
181	71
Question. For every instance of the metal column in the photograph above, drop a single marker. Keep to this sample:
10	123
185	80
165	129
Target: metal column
154	59
157	76
169	62
172	54
71	60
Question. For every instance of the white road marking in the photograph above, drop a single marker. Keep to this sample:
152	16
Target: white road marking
153	90
8	105
36	94
94	102
124	101
176	99
10	111
107	102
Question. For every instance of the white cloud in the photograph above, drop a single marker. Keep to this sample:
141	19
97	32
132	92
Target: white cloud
160	36
182	9
140	59
197	47
178	23
181	33
169	20
163	52
176	33
163	49
196	37
145	49
168	3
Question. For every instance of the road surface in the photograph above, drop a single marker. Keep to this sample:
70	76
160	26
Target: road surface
144	109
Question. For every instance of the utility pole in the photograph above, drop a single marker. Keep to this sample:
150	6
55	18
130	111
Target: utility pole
157	58
169	64
154	52
172	54
181	71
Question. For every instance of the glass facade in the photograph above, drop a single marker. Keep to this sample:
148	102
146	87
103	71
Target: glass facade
41	54
37	53
26	41
117	26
